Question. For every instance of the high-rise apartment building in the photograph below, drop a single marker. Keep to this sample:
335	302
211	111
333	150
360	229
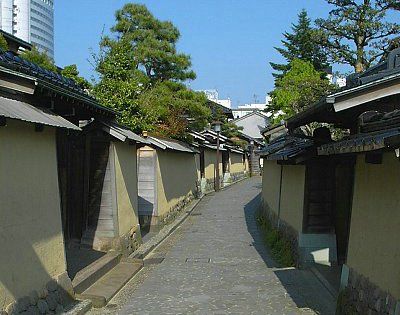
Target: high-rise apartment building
30	20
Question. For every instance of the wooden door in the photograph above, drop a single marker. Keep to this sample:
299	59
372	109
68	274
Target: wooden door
147	182
319	197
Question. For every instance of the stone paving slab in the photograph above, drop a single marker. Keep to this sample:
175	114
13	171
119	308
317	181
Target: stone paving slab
217	263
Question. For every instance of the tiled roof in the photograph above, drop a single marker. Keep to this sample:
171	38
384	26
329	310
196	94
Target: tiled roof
286	148
121	132
44	77
169	144
377	131
22	111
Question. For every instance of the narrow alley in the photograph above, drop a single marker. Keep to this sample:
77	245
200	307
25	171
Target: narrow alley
217	263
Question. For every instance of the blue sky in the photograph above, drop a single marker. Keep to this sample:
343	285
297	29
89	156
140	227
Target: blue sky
230	41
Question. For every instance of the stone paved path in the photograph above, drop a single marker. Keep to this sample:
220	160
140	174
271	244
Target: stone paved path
217	263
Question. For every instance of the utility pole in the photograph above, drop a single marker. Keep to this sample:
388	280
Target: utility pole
217	129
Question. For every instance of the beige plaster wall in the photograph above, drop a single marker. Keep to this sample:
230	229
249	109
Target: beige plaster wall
374	247
126	186
292	199
292	193
210	158
237	164
246	163
31	239
176	178
271	178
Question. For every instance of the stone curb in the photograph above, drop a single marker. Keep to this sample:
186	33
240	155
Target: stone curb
80	308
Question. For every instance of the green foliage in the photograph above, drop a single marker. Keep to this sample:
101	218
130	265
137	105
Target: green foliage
302	43
141	73
72	72
344	305
172	109
298	89
228	129
152	43
39	58
356	32
3	43
281	248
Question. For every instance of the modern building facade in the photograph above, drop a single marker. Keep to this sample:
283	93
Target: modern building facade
243	110
30	20
212	95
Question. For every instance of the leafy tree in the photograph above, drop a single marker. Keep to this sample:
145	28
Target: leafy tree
356	32
152	44
299	88
171	109
141	76
303	44
228	128
3	43
40	58
72	72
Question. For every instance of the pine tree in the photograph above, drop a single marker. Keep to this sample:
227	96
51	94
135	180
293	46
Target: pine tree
357	32
301	44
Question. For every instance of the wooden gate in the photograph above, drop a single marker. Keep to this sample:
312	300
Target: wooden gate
147	182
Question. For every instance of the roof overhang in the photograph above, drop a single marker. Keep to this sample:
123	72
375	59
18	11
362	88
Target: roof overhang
274	129
121	133
365	93
363	143
18	110
24	83
169	144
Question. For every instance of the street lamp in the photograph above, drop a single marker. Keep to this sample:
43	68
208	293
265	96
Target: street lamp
217	128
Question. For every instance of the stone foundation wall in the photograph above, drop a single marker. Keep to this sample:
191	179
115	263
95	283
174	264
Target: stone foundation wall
207	185
175	210
237	176
285	231
51	299
363	297
129	242
126	244
159	221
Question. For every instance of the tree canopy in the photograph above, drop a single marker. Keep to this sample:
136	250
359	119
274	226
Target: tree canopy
3	43
141	76
152	43
72	72
302	43
40	58
357	33
297	89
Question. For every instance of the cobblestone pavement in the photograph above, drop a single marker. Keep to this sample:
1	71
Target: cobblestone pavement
217	263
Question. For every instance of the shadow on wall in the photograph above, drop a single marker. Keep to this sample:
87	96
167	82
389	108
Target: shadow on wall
127	190
31	237
300	285
178	175
22	264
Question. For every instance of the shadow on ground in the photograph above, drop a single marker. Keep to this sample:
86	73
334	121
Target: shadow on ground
79	258
301	285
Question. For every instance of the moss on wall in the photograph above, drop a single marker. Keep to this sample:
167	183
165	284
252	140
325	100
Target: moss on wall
31	238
